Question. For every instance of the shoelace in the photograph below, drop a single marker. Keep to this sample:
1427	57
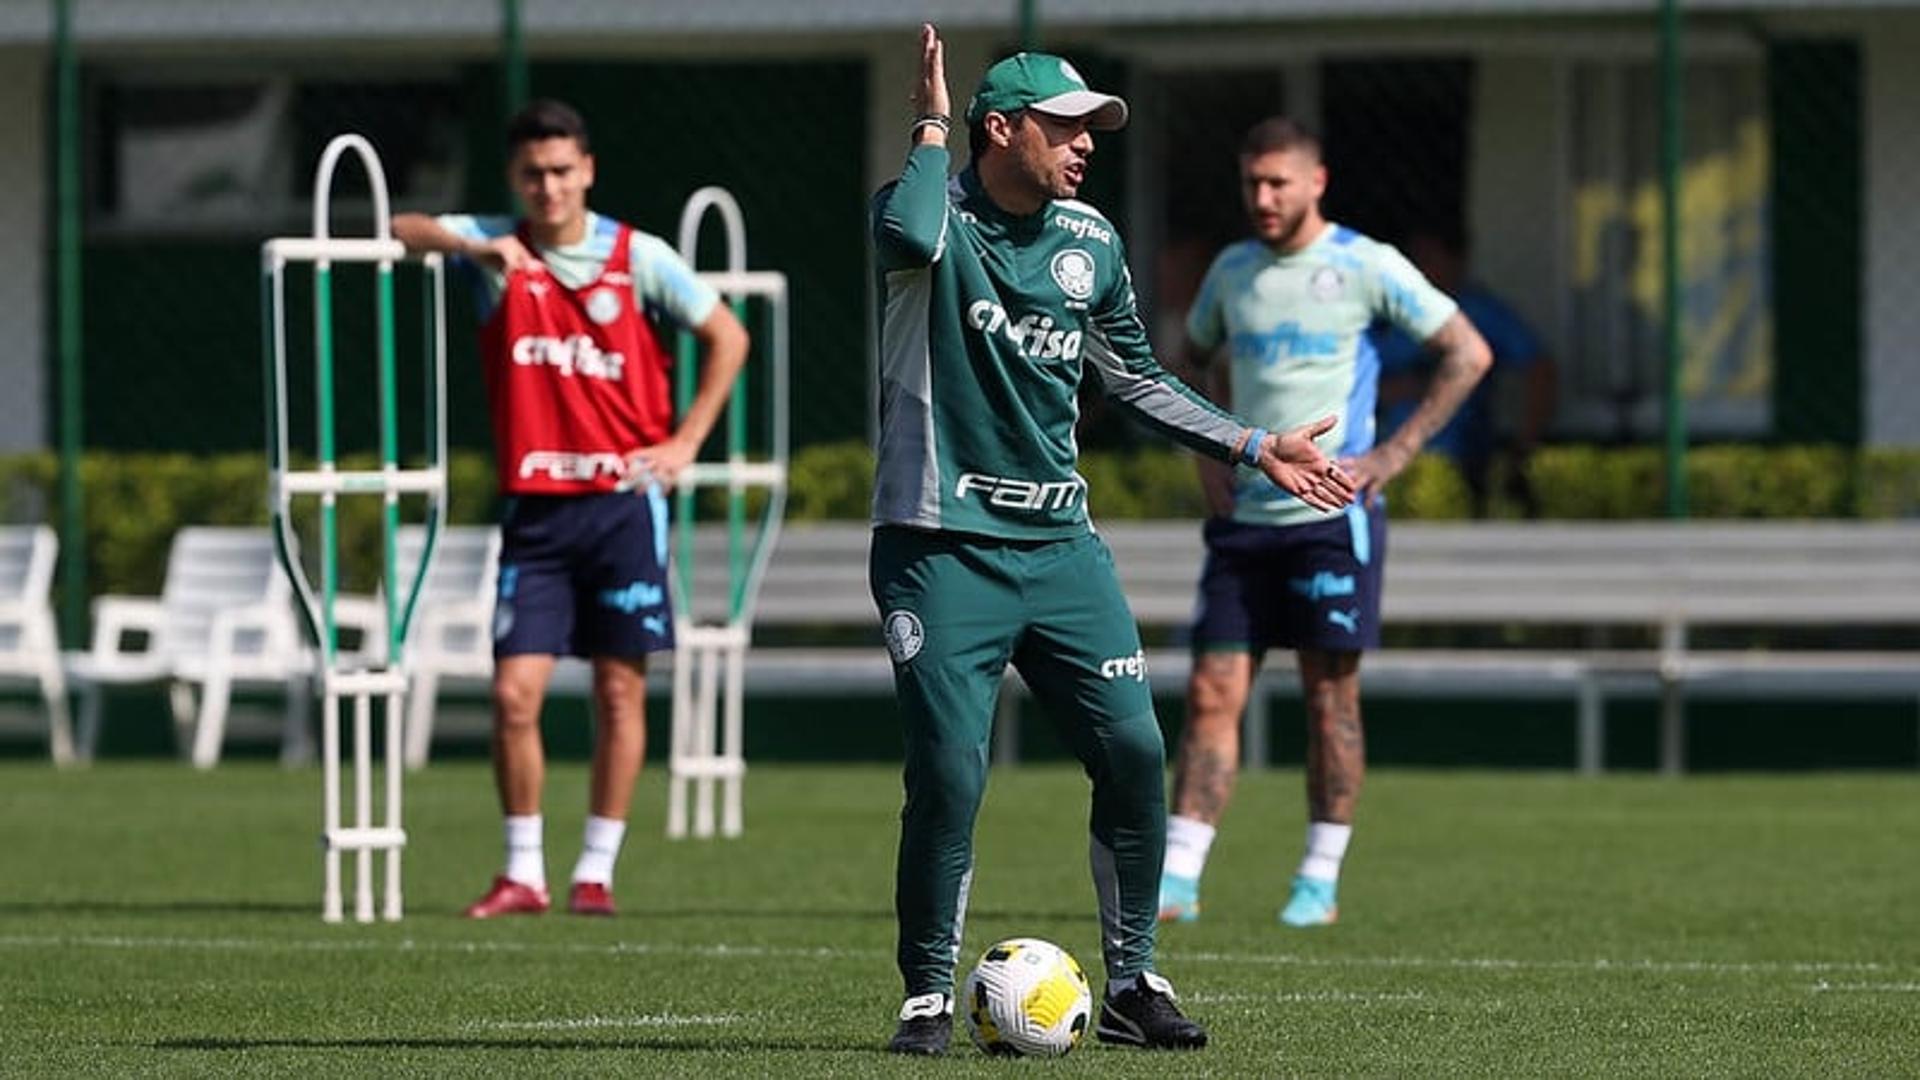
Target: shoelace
1155	1005
1161	1005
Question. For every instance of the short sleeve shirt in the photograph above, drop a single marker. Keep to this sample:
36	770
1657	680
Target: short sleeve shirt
664	286
1295	327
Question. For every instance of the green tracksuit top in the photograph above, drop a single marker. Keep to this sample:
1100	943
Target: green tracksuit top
989	323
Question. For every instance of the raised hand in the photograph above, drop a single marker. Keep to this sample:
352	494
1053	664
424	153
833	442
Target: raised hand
930	95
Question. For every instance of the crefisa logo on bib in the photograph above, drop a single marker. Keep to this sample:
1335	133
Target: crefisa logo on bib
1073	272
905	635
603	306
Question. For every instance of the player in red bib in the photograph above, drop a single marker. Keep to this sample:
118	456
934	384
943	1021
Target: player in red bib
577	380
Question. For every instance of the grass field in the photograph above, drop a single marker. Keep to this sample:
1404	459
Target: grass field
154	921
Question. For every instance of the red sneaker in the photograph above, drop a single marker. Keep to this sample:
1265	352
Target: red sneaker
590	898
509	897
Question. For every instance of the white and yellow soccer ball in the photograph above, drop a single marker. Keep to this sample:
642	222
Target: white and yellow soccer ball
1027	997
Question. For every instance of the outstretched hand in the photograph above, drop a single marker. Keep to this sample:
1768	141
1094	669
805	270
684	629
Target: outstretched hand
1292	461
930	96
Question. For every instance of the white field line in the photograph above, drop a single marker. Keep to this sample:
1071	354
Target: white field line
1493	963
1342	997
1825	987
593	1023
721	951
1599	965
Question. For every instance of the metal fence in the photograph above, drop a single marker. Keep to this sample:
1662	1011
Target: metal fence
185	176
1543	156
1527	134
1543	152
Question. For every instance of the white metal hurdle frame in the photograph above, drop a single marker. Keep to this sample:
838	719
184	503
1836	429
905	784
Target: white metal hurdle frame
328	483
708	733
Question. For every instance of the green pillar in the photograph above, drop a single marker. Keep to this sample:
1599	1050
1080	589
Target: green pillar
66	135
513	58
513	74
1672	150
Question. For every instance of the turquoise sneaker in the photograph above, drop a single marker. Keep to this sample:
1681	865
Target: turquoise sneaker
1179	898
1312	902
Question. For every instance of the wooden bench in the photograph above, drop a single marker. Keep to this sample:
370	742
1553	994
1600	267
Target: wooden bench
1656	580
1630	595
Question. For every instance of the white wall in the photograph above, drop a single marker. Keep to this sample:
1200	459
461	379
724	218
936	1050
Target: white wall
24	335
1890	379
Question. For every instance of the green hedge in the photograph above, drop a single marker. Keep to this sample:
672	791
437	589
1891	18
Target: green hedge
135	502
1584	482
1574	482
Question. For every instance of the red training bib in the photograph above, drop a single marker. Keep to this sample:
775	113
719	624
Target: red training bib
576	379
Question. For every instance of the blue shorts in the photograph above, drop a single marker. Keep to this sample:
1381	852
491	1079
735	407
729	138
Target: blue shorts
583	575
1312	586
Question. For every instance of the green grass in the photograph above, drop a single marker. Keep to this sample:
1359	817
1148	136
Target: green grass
154	921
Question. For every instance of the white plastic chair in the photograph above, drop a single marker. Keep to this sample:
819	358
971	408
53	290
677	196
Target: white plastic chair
29	644
224	619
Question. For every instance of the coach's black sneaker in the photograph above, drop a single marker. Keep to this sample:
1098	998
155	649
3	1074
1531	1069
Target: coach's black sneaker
926	1026
1144	1015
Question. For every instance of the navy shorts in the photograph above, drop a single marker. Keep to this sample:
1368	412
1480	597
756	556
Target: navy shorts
1311	586
583	575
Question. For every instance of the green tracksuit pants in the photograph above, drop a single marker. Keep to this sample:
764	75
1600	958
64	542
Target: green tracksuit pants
957	609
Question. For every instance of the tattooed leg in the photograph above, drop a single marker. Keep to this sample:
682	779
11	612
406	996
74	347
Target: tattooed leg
1209	757
1336	747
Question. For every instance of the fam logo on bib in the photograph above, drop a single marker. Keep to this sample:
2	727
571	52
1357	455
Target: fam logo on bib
603	306
905	635
1073	272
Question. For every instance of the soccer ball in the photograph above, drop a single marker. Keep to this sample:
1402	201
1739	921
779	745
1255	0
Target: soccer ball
1027	997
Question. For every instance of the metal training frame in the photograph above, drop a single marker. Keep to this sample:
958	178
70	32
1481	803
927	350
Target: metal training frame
710	657
339	682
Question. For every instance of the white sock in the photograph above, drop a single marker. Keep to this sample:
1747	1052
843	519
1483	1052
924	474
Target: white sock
1326	846
1188	840
598	851
526	859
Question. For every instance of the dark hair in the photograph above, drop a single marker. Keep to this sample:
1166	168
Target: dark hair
977	132
1279	134
546	118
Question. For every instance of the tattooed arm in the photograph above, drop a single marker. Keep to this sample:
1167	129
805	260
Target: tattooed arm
1464	360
